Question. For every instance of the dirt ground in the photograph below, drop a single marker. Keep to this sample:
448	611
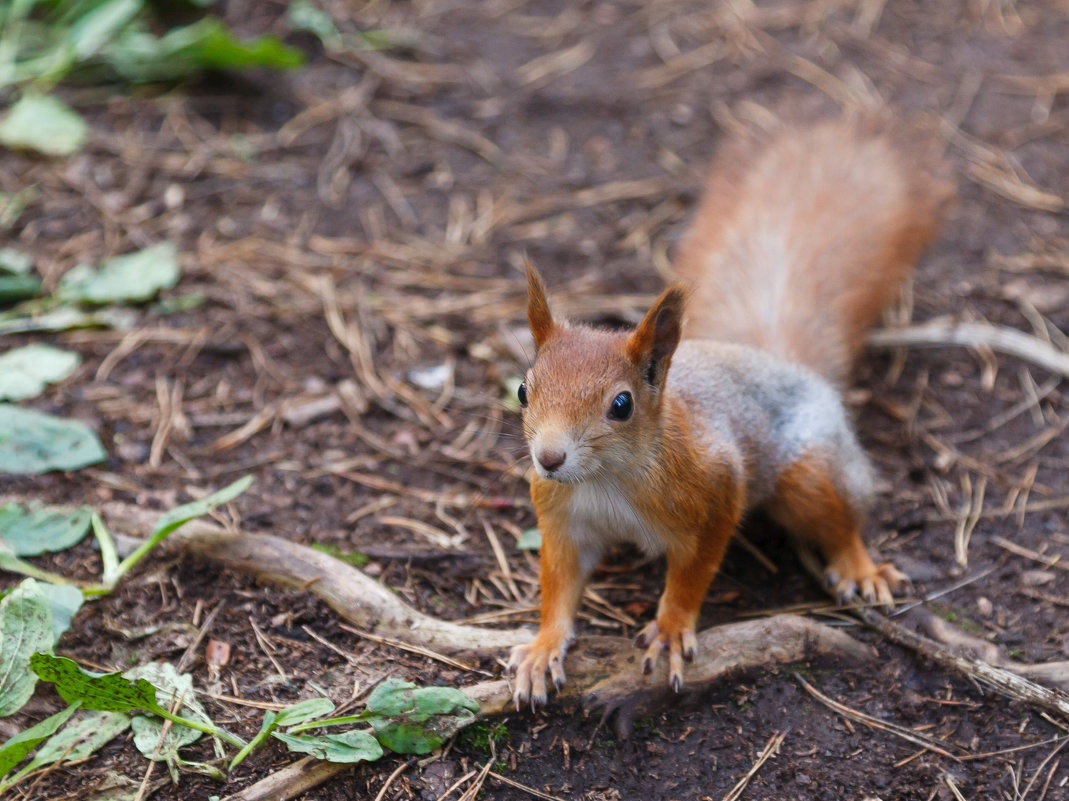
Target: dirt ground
360	224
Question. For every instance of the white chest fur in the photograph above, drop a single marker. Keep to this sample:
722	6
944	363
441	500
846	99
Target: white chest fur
600	514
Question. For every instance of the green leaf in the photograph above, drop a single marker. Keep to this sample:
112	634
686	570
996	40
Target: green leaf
302	15
181	515
25	371
32	531
92	730
530	540
25	628
174	519
289	716
32	442
348	747
65	601
204	45
65	318
79	739
92	31
14	261
45	124
14	288
309	709
14	750
132	278
112	692
416	720
105	692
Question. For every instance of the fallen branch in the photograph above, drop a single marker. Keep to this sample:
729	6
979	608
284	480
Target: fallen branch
975	335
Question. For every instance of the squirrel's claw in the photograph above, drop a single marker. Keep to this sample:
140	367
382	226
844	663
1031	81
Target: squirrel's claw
681	646
877	588
529	664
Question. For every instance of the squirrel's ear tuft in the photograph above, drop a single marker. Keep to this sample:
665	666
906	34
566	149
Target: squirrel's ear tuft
652	344
538	314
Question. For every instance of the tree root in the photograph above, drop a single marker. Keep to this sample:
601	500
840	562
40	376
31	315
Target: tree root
603	670
605	673
359	599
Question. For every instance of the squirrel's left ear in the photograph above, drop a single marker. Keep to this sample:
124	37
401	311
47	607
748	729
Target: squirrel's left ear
652	344
538	314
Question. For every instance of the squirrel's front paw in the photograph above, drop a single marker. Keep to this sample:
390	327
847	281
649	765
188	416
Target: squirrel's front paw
680	642
529	664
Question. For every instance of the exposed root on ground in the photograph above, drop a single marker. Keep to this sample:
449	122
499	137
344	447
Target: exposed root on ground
603	670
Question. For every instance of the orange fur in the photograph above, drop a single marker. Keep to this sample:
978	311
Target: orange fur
853	204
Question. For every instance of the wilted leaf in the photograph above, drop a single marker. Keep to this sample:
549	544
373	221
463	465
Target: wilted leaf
25	628
106	692
45	124
147	736
32	442
131	278
65	318
32	531
79	739
25	371
352	746
170	686
15	750
416	720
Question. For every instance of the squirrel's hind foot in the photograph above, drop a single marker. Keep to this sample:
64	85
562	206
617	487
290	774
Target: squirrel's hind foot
874	585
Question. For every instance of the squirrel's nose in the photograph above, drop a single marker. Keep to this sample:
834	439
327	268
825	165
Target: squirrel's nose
551	460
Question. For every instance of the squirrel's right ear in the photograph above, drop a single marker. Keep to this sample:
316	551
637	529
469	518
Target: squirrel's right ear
538	314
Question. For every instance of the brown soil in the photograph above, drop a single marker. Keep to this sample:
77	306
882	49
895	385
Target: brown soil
407	185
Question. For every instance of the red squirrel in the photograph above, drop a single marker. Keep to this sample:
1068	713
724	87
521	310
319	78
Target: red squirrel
667	435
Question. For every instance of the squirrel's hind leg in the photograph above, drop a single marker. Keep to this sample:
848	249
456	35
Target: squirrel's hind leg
810	504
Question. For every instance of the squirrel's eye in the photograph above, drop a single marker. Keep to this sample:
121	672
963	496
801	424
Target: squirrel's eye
622	406
521	393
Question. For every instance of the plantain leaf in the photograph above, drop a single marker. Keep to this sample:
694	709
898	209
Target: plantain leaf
45	124
34	530
25	627
132	278
105	692
32	442
14	750
26	371
350	746
416	720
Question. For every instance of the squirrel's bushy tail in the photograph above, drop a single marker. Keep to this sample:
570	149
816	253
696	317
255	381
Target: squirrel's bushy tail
804	236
